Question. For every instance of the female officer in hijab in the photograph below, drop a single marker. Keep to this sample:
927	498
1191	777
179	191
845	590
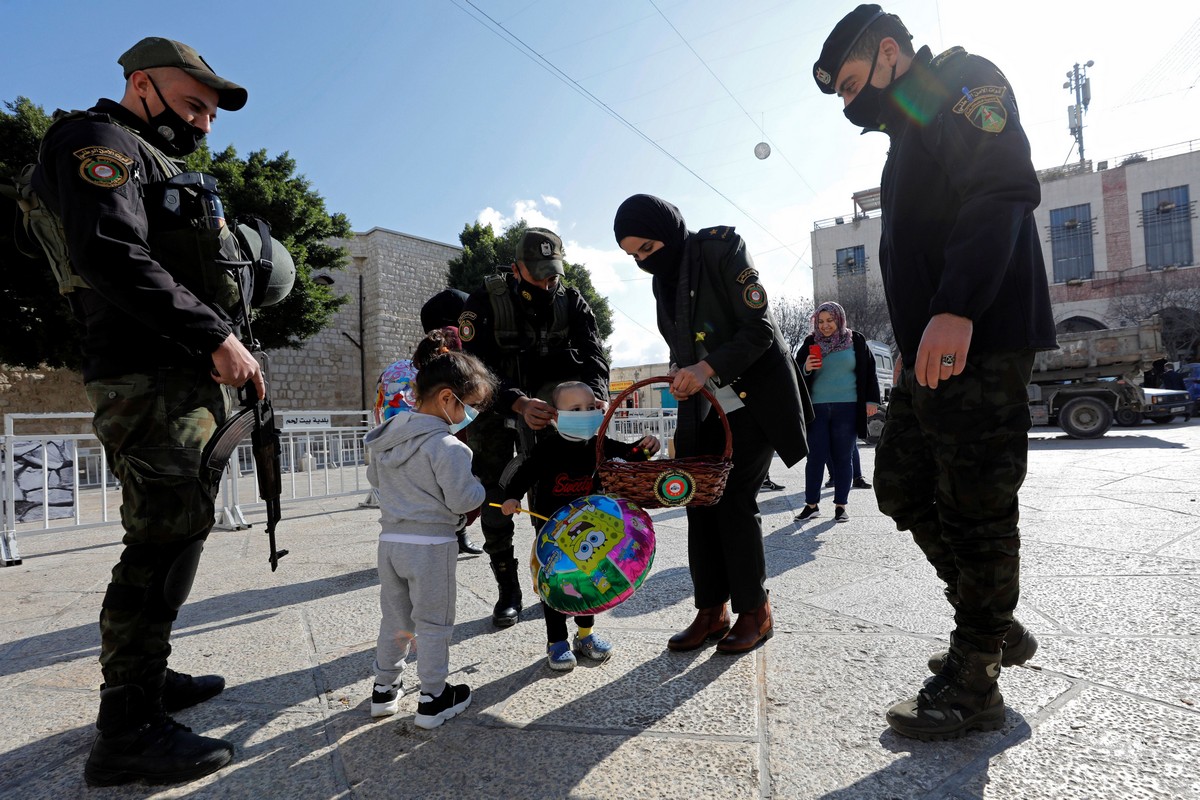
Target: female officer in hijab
713	313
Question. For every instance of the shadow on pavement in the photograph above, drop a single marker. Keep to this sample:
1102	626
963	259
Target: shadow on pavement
84	640
1134	442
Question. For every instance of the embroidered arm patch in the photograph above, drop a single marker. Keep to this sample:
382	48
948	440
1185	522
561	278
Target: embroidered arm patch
104	167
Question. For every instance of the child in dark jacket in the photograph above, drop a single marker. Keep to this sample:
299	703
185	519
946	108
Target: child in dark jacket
558	470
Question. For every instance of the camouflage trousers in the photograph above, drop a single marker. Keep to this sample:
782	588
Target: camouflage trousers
948	468
153	428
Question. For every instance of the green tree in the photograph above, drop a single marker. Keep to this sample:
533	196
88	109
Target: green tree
36	326
485	253
269	188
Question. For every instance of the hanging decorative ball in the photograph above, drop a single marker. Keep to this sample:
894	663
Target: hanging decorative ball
762	150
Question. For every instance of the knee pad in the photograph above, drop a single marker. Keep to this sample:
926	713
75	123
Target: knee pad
492	518
178	583
161	576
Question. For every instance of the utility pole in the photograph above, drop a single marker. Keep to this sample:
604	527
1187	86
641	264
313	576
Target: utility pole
1079	83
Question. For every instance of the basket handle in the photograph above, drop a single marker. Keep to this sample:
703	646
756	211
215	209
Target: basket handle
616	403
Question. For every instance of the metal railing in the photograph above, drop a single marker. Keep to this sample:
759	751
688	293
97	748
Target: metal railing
35	494
316	463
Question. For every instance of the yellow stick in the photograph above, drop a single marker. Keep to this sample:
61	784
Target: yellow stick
524	510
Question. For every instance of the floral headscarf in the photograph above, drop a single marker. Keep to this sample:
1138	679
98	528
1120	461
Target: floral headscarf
840	340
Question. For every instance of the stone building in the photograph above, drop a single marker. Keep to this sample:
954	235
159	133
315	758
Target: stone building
388	278
1115	238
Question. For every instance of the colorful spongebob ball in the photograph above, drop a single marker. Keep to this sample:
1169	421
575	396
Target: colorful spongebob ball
592	554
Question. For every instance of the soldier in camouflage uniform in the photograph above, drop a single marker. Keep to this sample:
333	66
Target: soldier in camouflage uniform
966	289
160	354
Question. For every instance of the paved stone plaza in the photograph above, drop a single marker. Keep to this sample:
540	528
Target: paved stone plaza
1109	707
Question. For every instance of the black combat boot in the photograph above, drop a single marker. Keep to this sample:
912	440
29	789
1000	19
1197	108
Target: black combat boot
1019	646
466	546
508	607
139	741
182	691
964	697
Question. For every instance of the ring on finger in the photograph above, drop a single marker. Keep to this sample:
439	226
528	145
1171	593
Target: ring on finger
948	360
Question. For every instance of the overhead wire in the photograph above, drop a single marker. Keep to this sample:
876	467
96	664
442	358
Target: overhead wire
532	54
776	149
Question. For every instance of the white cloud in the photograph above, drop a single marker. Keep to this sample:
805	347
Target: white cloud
522	210
613	272
633	345
552	201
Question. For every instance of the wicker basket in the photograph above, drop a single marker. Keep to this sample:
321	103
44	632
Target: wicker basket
696	480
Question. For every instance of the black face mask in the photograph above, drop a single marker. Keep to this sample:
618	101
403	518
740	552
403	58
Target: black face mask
536	296
865	108
179	137
663	261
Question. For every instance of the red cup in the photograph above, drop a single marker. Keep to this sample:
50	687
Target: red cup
814	350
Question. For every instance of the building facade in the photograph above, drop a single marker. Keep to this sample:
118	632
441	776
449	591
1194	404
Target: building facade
388	279
1119	240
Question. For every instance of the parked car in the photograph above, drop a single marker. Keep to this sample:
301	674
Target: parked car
1191	380
1164	405
885	367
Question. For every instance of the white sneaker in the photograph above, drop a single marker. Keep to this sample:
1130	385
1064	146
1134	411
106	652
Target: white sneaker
433	711
385	700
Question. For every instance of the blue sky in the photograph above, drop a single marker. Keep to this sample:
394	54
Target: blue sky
416	115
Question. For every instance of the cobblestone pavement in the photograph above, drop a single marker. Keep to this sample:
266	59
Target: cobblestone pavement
1107	709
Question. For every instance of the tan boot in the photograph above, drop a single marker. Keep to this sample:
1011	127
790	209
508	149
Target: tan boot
709	624
751	629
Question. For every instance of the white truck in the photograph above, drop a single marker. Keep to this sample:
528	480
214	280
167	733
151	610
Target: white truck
1088	383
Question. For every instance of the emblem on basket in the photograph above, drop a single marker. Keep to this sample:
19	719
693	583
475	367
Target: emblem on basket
697	480
675	487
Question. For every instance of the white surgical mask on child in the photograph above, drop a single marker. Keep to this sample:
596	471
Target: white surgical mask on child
579	426
469	415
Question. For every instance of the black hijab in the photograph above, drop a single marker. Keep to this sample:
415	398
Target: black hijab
649	217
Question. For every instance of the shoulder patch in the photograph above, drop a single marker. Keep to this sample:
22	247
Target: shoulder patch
466	329
942	58
754	296
983	107
103	166
719	232
749	273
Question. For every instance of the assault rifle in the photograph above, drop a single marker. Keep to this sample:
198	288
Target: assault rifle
256	419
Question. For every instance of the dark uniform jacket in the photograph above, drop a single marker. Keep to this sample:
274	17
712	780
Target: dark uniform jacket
726	321
579	358
138	317
866	380
559	471
958	194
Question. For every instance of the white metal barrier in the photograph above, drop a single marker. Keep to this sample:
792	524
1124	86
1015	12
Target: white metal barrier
323	461
319	459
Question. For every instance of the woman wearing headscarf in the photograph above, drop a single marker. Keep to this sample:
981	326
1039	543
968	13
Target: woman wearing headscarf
845	391
713	313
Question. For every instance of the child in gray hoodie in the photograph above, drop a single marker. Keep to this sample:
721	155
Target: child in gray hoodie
422	476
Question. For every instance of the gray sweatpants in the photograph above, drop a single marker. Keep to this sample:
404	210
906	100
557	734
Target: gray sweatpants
417	589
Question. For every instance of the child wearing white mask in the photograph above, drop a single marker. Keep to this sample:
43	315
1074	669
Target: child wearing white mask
560	469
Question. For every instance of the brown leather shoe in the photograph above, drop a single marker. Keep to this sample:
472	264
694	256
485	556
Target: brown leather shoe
709	624
751	629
